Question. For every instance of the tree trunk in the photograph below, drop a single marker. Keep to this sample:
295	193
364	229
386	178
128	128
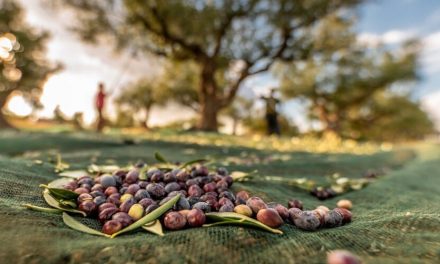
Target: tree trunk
147	117
209	101
3	122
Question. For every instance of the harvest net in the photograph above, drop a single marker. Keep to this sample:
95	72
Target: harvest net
396	218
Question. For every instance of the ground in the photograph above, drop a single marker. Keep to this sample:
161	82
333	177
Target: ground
396	218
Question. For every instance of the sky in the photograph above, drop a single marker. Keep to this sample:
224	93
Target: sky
387	21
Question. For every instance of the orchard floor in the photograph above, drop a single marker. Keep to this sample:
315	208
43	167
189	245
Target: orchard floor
396	218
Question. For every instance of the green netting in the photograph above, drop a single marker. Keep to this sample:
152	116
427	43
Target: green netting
396	219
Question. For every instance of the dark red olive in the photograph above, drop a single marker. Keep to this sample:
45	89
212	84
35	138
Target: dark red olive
132	176
195	191
111	227
269	217
84	197
295	204
114	199
256	204
105	206
81	190
88	207
195	218
210	187
110	190
107	214
123	218
174	221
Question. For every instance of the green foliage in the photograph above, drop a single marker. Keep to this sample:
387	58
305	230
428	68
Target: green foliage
228	40
344	78
23	64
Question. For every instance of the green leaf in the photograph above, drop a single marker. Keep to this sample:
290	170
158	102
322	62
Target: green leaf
186	164
75	174
59	182
68	203
154	227
61	194
242	176
42	209
74	224
55	204
238	219
149	217
160	158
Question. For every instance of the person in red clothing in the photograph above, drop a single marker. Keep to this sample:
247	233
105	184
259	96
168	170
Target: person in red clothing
100	103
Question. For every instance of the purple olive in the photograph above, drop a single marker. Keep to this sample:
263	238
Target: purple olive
132	176
133	188
123	218
172	186
281	210
205	207
169	177
88	207
210	187
111	227
195	190
182	176
107	181
110	190
105	206
141	194
81	190
114	199
174	221
98	187
295	204
156	190
107	214
195	218
147	202
256	204
125	206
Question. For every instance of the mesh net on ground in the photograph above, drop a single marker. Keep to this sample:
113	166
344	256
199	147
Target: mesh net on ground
396	218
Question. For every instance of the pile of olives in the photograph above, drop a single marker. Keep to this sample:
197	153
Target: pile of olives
119	199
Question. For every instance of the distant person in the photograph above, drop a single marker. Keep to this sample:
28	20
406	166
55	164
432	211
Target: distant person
100	103
273	126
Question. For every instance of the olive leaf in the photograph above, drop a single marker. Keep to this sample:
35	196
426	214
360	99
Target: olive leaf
242	176
226	218
75	174
60	165
154	227
74	224
61	194
68	203
150	217
42	209
55	204
186	164
102	168
59	182
160	158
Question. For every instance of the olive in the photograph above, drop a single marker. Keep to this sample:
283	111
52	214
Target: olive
72	185
294	213
295	204
191	182
140	164
174	221
85	180
229	207
269	217
217	178
195	218
125	197
120	173
342	257
132	176
155	190
98	200
84	197
241	197
205	207
333	218
111	227
320	214
227	194
133	188
97	187
157	176
81	190
151	208
114	199
201	171
107	214
97	193
195	190
307	220
281	210
110	190
243	210
136	212
222	186
105	206
210	187
125	206
182	204
118	179
141	194
323	208
344	204
123	190
169	177
229	180
256	204
143	184
146	202
123	218
172	186
222	171
107	181
346	214
182	176
225	201
86	186
193	200
88	207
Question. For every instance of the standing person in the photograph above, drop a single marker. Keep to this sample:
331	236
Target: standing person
273	126
100	103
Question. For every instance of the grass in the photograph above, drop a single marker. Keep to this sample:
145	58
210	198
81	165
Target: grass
396	219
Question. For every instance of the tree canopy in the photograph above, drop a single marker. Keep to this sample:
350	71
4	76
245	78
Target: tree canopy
236	38
23	65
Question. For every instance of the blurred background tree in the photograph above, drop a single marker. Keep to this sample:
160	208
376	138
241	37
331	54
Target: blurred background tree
141	97
343	81
23	65
237	38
